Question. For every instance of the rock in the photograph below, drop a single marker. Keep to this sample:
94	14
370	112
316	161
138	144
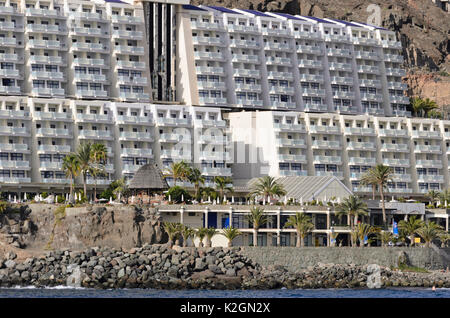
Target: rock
10	264
199	264
215	269
121	273
10	255
230	272
202	275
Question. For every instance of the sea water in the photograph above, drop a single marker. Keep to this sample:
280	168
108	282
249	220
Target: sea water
65	292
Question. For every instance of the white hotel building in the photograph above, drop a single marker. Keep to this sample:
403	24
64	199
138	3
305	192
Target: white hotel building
167	81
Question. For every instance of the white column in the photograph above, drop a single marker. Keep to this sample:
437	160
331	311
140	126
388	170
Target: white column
182	215
231	217
206	217
446	223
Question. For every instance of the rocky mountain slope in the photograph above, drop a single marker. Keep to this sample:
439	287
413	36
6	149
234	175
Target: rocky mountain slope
422	27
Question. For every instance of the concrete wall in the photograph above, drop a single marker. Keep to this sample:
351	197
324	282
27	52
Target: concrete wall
296	259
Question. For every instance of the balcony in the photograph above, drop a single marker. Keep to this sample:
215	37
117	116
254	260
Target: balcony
20	148
90	93
309	49
215	171
316	129
395	72
96	32
249	103
341	80
130	168
47	13
429	164
134	120
370	83
14	180
273	46
197	25
95	134
337	174
200	123
366	55
14	131
281	90
212	56
57	76
313	92
42	91
337	160
289	127
93	118
52	116
425	134
215	155
90	16
393	58
14	114
368	69
129	96
53	132
10	73
311	78
41	59
293	173
211	85
207	70
127	19
8	41
128	49
248	87
13	58
10	26
291	143
89	62
315	107
359	131
430	178
334	66
397	177
14	164
362	161
365	146
325	144
393	133
292	158
175	138
276	32
132	80
131	65
136	152
90	47
206	40
337	38
245	58
339	52
394	147
282	61
391	44
397	85
102	182
373	111
46	44
9	90
214	140
137	136
242	28
131	35
165	121
244	44
428	149
50	165
283	105
399	99
213	101
399	190
310	64
306	35
371	97
176	154
280	76
45	28
396	162
53	149
362	189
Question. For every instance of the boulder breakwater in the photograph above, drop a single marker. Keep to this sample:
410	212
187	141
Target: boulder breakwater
161	267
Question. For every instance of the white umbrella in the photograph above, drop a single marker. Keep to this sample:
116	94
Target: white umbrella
209	198
232	199
224	198
170	198
40	197
214	202
182	198
110	200
264	201
301	201
25	196
15	199
285	200
9	197
75	196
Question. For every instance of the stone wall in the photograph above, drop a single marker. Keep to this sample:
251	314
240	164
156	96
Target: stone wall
295	259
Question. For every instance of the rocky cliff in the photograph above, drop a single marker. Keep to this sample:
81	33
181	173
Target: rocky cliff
421	26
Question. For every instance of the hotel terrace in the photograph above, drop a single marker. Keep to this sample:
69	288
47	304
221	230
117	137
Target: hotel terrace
211	86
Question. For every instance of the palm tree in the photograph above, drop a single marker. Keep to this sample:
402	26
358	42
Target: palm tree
208	192
201	233
195	177
257	217
429	232
381	175
268	188
172	229
230	233
444	196
429	105
98	155
84	155
432	195
353	207
354	235
368	180
444	237
385	237
222	185
3	206
186	232
364	230
71	166
178	171
435	114
417	105
121	188
210	232
410	227
302	224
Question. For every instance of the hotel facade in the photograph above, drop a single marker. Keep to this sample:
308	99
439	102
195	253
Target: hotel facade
237	93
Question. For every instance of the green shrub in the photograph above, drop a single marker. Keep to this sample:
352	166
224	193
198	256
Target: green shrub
175	194
60	199
44	195
107	193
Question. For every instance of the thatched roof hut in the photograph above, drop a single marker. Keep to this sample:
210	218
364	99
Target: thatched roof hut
149	178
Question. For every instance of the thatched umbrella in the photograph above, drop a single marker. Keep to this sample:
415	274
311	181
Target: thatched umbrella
148	178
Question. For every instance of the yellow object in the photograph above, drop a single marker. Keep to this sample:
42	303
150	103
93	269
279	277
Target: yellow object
417	240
